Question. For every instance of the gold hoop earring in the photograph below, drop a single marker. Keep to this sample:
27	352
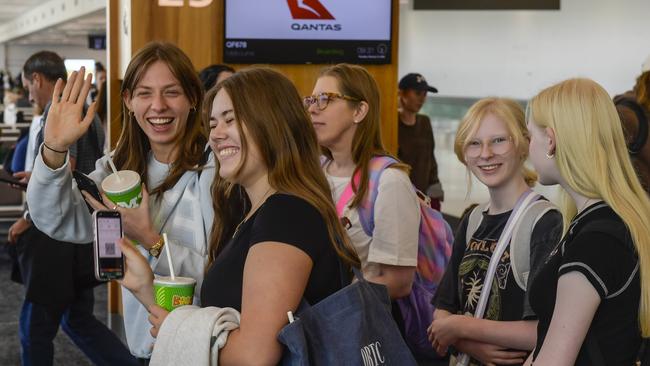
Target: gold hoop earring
550	155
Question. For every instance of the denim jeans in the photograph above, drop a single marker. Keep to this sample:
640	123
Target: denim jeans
39	324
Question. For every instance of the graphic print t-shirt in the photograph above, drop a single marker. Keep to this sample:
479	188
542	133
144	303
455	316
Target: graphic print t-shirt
463	281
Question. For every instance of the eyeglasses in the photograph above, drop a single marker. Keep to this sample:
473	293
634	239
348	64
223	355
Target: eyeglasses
322	100
499	145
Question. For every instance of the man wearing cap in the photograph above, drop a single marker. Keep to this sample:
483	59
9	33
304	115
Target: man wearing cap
415	137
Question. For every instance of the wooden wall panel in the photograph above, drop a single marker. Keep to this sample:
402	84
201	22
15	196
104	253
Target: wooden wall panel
197	31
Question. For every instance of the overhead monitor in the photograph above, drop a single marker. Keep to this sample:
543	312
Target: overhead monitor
307	31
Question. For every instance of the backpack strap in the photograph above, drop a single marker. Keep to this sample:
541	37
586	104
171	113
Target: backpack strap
346	197
474	220
635	146
521	238
366	209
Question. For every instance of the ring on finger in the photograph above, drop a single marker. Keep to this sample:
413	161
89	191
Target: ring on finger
114	208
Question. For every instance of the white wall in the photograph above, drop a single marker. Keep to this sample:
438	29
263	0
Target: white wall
17	54
517	53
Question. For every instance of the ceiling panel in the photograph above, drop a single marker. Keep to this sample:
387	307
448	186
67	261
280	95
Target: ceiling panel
10	9
74	32
70	33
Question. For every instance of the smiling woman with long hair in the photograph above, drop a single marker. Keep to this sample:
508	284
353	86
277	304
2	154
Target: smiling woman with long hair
163	140
492	141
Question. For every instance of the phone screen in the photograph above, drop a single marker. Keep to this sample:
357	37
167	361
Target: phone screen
109	256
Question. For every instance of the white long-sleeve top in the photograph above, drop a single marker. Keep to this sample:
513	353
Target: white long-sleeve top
185	213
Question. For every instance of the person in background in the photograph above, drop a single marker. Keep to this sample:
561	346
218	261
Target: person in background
492	141
57	275
592	295
634	110
285	247
214	74
164	140
415	137
100	81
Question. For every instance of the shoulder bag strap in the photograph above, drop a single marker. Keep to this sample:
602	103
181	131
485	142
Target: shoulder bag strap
521	240
524	200
474	220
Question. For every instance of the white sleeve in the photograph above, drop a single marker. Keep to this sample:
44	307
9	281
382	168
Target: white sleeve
189	230
397	221
55	204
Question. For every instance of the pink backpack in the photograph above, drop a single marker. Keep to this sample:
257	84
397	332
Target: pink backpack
434	249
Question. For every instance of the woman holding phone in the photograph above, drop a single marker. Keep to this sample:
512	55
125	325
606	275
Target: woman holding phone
163	140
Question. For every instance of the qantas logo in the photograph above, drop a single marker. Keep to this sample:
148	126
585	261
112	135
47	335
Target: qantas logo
308	9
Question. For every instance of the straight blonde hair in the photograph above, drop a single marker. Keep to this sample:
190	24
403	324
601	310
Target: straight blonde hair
592	158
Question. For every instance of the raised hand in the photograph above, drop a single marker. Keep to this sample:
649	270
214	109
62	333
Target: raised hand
65	120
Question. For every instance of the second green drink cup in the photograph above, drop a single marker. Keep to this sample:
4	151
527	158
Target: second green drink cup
171	294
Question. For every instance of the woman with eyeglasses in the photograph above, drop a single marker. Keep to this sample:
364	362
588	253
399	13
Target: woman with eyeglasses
344	110
492	141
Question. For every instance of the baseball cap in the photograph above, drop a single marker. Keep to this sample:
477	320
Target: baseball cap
416	82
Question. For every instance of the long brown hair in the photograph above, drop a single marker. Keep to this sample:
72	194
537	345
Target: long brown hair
269	105
355	81
133	145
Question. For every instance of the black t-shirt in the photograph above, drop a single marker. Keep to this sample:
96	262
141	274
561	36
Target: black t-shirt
282	218
460	287
598	245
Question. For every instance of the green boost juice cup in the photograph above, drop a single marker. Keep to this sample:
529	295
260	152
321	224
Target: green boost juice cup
124	192
171	294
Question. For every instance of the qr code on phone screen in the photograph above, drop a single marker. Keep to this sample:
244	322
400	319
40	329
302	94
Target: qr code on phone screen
110	248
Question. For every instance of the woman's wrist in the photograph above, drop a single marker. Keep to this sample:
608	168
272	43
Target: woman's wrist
53	158
55	148
150	240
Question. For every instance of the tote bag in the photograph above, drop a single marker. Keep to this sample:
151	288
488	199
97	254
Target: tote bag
353	326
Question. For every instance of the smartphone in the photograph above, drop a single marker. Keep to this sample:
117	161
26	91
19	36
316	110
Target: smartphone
85	183
13	182
109	260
